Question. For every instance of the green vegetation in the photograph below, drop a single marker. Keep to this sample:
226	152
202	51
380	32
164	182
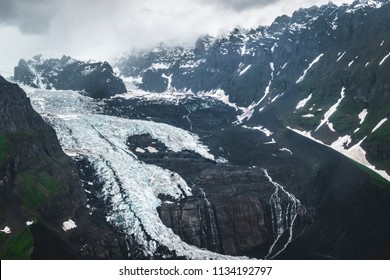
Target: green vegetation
19	247
3	148
345	119
34	189
3	238
25	133
377	179
377	146
315	168
307	123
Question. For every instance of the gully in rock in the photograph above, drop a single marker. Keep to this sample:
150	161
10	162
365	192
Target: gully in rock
283	213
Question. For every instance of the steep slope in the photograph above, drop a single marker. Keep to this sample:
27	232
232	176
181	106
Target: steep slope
213	160
95	78
41	194
321	71
233	208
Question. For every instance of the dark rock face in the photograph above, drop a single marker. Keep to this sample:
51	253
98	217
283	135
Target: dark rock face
228	210
231	211
39	183
96	78
23	72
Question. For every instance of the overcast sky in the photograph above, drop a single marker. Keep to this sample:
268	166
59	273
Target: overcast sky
103	29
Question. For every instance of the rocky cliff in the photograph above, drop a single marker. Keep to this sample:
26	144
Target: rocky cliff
215	147
321	71
245	204
42	209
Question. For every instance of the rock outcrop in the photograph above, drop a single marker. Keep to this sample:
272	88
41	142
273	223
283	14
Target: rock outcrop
97	79
316	52
40	189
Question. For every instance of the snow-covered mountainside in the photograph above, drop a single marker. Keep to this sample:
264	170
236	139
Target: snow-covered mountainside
95	78
321	72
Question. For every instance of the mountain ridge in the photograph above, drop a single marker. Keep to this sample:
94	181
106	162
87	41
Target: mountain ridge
271	70
226	150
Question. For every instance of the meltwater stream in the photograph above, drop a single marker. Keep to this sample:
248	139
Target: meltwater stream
283	214
130	187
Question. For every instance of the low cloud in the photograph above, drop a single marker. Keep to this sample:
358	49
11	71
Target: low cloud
102	29
30	16
240	5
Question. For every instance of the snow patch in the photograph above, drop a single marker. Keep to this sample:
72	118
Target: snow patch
270	142
151	150
6	230
379	124
140	150
303	102
362	115
384	59
220	95
285	150
245	69
29	223
308	116
169	79
341	56
68	225
266	131
160	65
332	110
308	68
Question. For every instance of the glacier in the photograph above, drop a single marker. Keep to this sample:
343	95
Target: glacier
130	187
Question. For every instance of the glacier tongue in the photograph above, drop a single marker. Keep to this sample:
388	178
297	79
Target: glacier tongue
130	187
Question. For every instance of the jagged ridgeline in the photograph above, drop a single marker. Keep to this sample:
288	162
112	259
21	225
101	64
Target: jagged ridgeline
314	53
231	149
95	78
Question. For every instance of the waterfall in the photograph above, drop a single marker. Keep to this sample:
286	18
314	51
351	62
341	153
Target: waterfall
188	117
283	215
213	225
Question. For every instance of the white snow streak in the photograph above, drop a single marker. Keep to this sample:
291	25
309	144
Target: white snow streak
383	60
341	56
379	124
362	115
285	150
332	110
308	68
244	70
303	102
